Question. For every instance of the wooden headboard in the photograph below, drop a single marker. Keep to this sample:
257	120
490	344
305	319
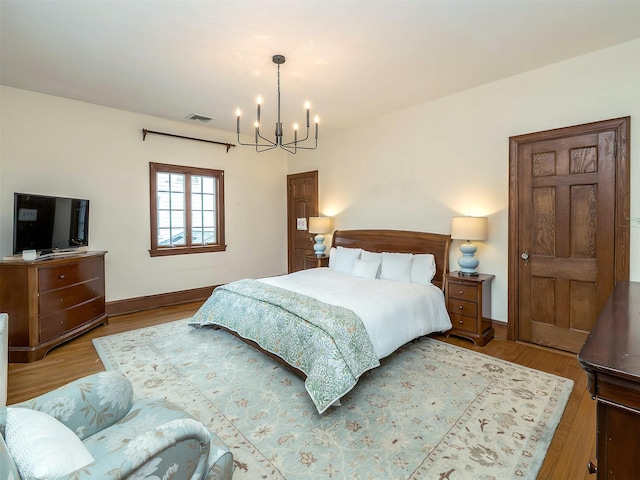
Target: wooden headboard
399	241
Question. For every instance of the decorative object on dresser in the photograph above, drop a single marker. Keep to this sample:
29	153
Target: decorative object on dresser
313	261
469	305
319	226
29	255
51	301
468	228
433	408
611	358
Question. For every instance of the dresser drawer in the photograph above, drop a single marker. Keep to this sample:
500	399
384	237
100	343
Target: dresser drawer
61	276
462	291
56	324
53	301
463	322
462	307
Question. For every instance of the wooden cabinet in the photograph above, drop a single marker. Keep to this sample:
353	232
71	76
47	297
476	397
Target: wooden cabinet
469	305
51	301
311	261
611	358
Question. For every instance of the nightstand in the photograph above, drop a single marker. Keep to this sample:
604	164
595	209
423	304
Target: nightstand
311	261
469	305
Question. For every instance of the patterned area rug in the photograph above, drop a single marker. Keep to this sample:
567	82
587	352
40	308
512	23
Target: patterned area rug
431	411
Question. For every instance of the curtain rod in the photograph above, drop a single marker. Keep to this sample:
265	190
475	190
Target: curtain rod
145	131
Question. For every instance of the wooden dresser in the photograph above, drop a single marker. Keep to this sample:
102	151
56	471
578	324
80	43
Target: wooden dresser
51	301
611	358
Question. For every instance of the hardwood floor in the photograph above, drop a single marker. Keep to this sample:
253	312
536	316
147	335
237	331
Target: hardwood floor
573	444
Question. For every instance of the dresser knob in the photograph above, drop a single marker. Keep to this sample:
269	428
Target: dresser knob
460	322
62	277
460	307
461	292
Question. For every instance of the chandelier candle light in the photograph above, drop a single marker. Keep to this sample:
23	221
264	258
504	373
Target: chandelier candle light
319	226
468	228
263	144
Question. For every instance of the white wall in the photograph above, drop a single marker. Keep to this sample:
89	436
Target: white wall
55	146
416	168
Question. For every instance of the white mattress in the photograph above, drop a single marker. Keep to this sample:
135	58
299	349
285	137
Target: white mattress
393	313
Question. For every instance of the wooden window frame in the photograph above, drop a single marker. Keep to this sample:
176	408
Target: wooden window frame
218	175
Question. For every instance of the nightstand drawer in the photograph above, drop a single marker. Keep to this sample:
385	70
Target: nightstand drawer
463	292
462	322
462	307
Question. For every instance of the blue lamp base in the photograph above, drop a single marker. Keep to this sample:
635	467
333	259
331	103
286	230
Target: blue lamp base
319	247
468	263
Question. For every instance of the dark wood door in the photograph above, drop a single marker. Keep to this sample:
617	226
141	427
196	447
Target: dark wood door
302	203
569	245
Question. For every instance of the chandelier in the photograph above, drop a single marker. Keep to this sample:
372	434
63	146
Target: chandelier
263	144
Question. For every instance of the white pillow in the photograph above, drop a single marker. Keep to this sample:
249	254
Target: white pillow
332	257
345	258
396	266
423	268
364	269
41	446
368	256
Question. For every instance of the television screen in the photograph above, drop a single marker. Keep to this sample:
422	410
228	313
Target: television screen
47	224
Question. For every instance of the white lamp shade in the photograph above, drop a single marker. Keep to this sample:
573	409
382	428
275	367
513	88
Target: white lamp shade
469	228
319	225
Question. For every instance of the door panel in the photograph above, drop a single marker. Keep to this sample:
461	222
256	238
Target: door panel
565	218
302	202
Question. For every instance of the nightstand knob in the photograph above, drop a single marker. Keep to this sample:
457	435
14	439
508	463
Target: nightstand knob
461	292
460	307
460	322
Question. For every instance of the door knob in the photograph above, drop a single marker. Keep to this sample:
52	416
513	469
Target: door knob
525	257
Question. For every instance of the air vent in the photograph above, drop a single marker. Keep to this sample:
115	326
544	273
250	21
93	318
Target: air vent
199	118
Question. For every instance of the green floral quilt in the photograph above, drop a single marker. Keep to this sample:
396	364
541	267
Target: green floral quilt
328	343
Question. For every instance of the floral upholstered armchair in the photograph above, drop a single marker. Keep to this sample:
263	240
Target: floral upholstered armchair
93	429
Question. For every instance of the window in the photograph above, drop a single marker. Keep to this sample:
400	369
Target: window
187	210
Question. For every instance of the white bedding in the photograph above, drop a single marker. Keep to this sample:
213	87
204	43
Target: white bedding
393	313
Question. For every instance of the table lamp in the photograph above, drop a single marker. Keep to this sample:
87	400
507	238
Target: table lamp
319	226
468	228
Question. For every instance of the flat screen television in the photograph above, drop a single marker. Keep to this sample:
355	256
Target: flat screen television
48	224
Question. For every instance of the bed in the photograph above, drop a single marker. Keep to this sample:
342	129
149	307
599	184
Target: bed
382	289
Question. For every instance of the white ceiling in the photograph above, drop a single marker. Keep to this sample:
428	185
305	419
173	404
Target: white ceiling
352	59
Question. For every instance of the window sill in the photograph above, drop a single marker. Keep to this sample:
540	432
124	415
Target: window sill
166	251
